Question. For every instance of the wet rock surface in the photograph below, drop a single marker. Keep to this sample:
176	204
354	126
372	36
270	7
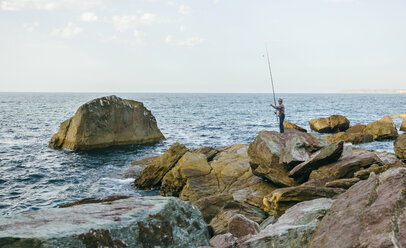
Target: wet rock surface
107	121
131	222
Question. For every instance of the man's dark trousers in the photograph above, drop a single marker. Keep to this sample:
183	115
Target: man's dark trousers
281	119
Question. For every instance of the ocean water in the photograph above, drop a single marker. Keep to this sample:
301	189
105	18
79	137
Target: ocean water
33	176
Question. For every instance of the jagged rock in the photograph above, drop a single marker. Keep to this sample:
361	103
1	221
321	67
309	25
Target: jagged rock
207	151
287	125
107	121
332	124
272	154
229	173
354	138
212	205
344	183
403	126
325	155
132	222
134	170
240	226
152	175
225	240
400	146
382	129
282	199
346	166
390	159
377	169
295	228
219	223
372	213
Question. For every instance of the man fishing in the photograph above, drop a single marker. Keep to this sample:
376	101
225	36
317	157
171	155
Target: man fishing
281	114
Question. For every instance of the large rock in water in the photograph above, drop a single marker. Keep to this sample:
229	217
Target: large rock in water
132	222
295	228
382	129
403	126
372	213
352	135
105	122
332	124
272	154
400	146
289	125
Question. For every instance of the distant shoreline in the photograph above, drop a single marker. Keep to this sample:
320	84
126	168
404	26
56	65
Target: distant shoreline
361	91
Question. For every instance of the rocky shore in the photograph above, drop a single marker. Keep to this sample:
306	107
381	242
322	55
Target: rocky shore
297	189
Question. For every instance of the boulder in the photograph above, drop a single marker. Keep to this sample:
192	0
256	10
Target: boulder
225	240
282	199
132	222
107	121
207	151
152	175
240	226
346	166
400	146
295	228
288	125
344	183
376	169
403	126
389	159
219	223
357	128
326	155
272	154
348	137
193	178
372	213
382	129
332	124
134	170
212	205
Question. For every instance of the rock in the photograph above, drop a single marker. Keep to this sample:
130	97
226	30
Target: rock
295	228
219	223
400	146
282	199
272	154
230	173
382	129
357	128
389	158
344	183
332	124
354	138
372	213
403	126
107	121
401	115
152	175
326	155
225	240
346	166
212	205
376	169
240	226
207	151
287	125
268	221
132	222
95	200
134	170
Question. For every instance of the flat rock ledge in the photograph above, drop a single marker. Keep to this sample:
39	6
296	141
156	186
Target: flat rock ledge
107	121
133	222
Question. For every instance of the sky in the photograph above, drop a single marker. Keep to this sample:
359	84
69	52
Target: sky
201	45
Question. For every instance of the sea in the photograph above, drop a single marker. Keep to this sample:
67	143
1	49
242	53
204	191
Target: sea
33	176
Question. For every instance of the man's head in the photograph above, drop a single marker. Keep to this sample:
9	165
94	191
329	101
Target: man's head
280	101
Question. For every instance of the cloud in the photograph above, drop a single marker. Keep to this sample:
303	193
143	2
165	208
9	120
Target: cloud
69	31
122	23
182	28
184	10
168	39
89	17
13	5
148	18
194	41
30	26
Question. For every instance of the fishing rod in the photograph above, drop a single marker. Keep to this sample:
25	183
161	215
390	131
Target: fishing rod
270	74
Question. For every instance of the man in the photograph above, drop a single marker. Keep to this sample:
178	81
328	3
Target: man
281	114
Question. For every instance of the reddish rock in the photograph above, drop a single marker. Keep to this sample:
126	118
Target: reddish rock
223	241
240	226
343	183
212	205
370	214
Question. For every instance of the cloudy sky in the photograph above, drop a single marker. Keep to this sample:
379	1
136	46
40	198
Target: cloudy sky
201	45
